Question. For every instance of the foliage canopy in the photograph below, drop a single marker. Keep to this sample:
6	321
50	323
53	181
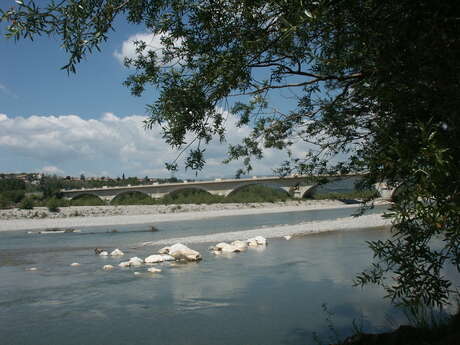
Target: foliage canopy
374	81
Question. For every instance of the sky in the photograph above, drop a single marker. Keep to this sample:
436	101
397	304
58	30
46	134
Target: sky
88	122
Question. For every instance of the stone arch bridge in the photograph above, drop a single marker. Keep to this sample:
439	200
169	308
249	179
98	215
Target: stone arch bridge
296	186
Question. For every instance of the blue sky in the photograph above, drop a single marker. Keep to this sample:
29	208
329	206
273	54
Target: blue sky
30	70
87	122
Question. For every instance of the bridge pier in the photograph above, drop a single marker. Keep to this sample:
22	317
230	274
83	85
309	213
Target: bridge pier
157	195
298	192
107	198
220	192
386	193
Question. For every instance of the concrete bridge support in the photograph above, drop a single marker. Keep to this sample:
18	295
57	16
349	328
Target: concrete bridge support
108	198
156	195
299	191
386	192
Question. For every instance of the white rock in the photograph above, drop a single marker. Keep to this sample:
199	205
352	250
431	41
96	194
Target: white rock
287	237
104	253
192	255
124	264
117	252
31	269
74	264
257	241
228	248
135	261
153	259
137	273
261	240
164	250
167	257
182	252
154	270
241	245
252	243
107	267
220	245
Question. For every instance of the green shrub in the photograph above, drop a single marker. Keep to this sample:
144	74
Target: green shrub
190	196
53	205
87	200
10	184
257	193
132	198
26	204
13	196
3	202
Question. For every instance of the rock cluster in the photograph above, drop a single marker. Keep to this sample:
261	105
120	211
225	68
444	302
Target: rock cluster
181	252
175	252
102	252
238	246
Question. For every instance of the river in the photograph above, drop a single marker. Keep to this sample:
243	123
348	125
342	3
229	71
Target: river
272	295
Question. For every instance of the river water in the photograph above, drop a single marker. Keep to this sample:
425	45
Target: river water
272	295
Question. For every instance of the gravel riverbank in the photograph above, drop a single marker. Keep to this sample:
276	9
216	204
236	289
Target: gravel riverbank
81	216
306	228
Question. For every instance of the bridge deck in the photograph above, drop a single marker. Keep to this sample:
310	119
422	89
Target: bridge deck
209	182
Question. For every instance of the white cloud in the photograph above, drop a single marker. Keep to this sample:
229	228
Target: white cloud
110	145
153	42
51	170
7	91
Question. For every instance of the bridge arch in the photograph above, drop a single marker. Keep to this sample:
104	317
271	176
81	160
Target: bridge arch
189	194
242	186
350	187
137	197
74	199
306	192
336	185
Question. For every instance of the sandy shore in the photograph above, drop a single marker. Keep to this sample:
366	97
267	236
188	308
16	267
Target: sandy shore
374	221
83	216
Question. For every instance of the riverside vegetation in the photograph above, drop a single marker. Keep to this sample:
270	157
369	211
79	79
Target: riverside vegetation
425	326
